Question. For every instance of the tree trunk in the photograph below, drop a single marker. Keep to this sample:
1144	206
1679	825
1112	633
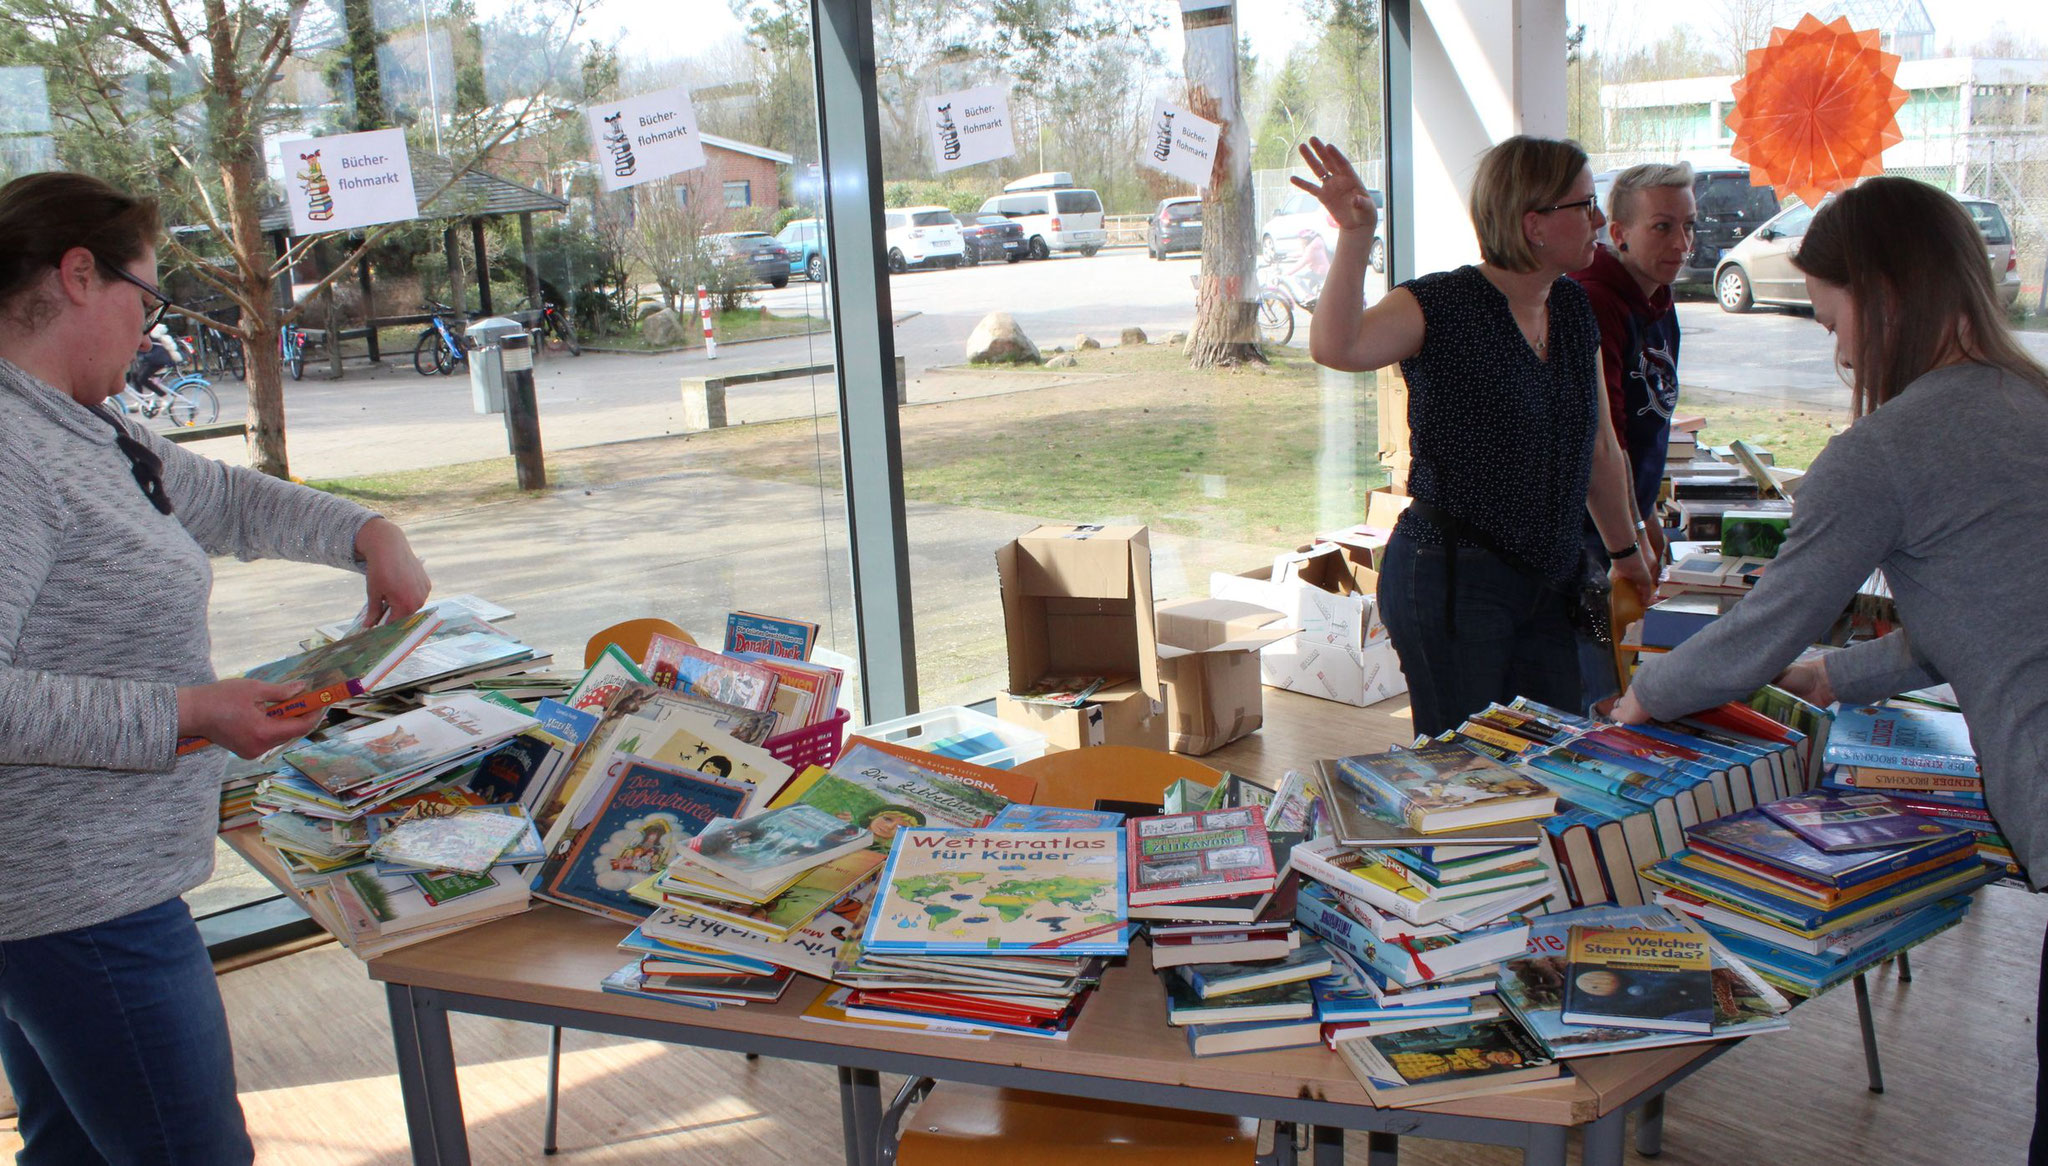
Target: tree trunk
240	157
1226	306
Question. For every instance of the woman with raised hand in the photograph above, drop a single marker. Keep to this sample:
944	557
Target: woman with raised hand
1508	431
112	1032
1942	481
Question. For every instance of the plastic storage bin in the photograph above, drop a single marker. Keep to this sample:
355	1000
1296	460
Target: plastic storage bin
942	725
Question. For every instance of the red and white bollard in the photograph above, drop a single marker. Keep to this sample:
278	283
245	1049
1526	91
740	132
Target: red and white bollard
704	310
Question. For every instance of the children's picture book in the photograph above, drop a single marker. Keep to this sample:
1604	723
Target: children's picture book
1423	1065
1213	854
1836	823
440	731
790	639
1638	977
573	725
1914	737
691	668
461	645
432	836
603	681
958	891
362	659
1185	1003
447	607
1755	836
632	831
1063	691
810	896
768	848
1214	980
1054	818
1439	787
885	792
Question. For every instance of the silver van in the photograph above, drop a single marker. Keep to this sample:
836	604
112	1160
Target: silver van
1054	214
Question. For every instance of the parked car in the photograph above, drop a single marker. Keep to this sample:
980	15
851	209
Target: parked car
1730	210
1175	225
1280	238
991	237
804	239
920	236
1759	270
1054	214
763	259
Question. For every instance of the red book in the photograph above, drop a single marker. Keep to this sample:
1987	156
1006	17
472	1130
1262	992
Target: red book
1210	854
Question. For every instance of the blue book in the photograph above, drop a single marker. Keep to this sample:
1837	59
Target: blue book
1920	739
1843	780
628	981
1343	998
1028	817
573	725
636	827
1811	975
1804	916
636	941
1250	1036
790	639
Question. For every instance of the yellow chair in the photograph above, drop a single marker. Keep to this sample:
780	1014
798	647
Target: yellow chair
956	1123
632	637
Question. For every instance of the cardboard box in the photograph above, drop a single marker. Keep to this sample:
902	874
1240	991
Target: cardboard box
1077	601
1382	509
1208	660
1342	652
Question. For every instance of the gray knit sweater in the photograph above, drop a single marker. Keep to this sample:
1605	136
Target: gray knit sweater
1946	488
103	605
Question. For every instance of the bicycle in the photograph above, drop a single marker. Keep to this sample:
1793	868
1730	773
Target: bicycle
439	349
1279	295
552	330
220	351
291	345
185	401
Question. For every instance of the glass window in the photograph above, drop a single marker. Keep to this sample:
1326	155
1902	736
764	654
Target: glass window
934	219
1991	221
1079	202
739	193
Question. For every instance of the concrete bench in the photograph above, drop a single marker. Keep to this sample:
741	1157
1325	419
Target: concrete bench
202	432
704	397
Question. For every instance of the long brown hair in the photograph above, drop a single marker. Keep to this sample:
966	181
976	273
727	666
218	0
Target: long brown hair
1912	262
43	216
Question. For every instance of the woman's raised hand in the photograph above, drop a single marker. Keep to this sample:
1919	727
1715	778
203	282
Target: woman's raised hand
1341	192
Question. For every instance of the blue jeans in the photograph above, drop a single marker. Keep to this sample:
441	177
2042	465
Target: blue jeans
116	1045
1513	634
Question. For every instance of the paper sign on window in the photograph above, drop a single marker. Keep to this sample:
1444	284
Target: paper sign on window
970	126
344	181
645	138
1181	144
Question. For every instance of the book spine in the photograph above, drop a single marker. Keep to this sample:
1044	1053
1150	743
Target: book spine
1322	870
1328	921
1842	752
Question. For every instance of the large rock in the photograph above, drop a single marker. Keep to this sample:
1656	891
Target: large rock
1132	337
1176	338
998	340
663	329
1063	360
1084	342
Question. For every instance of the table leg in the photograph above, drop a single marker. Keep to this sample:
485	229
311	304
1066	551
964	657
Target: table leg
1603	1140
1381	1149
860	1114
426	1079
547	1137
1546	1145
1650	1127
1869	1024
1905	968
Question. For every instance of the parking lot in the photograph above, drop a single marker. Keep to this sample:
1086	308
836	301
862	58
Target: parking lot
380	419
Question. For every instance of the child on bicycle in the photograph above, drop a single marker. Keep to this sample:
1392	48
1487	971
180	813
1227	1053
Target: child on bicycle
159	358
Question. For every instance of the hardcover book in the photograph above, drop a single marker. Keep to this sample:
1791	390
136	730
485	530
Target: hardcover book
790	639
1212	981
411	741
1207	855
1837	823
1054	818
960	891
1754	835
769	848
1916	738
1637	977
691	668
1294	1000
1439	787
364	658
1422	1065
632	831
884	792
436	837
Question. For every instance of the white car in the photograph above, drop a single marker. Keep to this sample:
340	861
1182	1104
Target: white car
1300	211
920	236
1054	214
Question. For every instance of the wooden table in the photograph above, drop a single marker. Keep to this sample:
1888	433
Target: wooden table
544	967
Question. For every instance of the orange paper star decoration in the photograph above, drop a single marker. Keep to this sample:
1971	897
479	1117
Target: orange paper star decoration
1818	107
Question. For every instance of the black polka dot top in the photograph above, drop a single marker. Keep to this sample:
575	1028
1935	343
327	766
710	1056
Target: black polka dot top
1499	438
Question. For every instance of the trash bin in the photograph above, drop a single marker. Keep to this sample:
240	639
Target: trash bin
486	361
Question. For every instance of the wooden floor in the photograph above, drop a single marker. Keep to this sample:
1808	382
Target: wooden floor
318	1081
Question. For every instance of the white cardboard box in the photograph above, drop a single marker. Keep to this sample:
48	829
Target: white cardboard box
1342	653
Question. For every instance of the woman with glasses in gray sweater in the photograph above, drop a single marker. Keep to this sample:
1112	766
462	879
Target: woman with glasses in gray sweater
1943	482
112	1032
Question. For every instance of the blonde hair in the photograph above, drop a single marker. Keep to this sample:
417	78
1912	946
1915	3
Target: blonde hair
1621	201
1912	262
1515	177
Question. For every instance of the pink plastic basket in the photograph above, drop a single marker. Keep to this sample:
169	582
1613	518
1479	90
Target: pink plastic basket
815	745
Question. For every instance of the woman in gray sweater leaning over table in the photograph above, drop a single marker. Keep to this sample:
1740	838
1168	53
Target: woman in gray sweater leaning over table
112	1032
1943	482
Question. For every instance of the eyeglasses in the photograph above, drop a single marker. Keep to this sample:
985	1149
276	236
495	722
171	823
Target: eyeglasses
142	462
163	302
1588	204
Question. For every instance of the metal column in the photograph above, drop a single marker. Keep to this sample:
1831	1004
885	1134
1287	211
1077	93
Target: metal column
864	345
1397	95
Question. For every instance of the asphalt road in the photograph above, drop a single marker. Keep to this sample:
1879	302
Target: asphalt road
387	418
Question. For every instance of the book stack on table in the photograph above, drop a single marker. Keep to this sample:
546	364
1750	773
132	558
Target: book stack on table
1920	757
1811	890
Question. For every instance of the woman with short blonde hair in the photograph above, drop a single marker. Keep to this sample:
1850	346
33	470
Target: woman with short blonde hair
1508	432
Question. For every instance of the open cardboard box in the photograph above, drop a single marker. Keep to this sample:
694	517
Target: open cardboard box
1382	509
1209	662
1342	652
1077	601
